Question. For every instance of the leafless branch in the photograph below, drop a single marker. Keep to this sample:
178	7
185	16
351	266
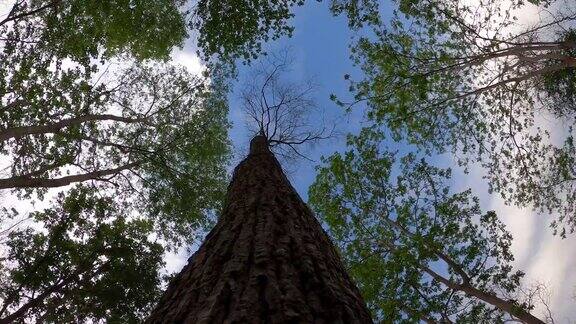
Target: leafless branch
283	111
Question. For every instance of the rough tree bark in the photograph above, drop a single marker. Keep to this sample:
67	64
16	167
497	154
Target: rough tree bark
267	260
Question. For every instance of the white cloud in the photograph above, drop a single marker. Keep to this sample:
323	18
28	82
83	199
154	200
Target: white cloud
189	60
544	258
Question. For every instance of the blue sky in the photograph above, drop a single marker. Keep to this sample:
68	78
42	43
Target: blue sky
320	49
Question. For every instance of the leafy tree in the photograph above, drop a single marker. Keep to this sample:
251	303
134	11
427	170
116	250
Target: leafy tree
91	261
152	130
147	29
150	135
468	78
81	30
238	28
418	252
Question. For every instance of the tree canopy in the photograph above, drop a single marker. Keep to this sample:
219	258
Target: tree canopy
417	251
470	79
147	29
90	261
151	129
88	101
138	148
239	28
81	30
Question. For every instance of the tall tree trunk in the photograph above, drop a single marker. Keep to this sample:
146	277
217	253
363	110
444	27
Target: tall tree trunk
267	260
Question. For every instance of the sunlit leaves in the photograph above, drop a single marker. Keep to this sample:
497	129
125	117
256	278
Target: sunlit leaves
395	220
239	28
81	30
469	79
91	261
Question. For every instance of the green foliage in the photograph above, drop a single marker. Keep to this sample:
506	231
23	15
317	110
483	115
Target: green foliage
559	87
186	185
156	132
92	29
84	30
359	12
396	222
467	78
90	261
74	121
239	28
146	29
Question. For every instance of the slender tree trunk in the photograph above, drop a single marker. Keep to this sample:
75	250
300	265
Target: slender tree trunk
268	260
504	305
491	299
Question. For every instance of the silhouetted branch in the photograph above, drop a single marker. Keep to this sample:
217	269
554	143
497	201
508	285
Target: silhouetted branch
281	110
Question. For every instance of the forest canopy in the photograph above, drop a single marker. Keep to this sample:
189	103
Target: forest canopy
114	155
470	79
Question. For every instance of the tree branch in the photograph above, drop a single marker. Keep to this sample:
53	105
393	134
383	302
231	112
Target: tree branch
10	16
26	181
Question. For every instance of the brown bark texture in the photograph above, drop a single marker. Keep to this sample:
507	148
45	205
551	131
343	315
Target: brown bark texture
267	260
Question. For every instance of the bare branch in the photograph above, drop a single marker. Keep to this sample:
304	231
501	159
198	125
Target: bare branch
283	111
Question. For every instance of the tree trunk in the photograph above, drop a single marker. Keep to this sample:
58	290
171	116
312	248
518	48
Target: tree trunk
504	305
267	260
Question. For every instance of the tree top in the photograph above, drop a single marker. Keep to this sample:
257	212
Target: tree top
259	145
